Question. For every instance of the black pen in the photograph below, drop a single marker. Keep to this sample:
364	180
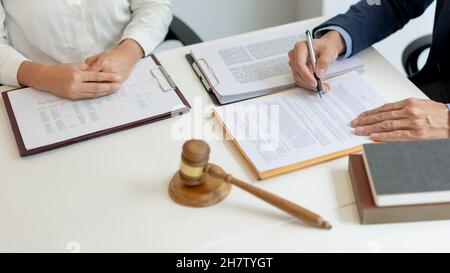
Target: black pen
312	56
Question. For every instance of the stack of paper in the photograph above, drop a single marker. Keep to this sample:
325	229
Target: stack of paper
294	129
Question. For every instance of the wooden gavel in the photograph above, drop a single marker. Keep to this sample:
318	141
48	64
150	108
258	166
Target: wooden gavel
201	184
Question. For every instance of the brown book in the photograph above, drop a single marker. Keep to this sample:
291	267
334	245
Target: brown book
369	213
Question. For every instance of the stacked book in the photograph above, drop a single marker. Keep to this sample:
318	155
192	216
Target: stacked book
402	182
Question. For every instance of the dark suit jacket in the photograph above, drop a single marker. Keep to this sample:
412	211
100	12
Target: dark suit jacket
368	23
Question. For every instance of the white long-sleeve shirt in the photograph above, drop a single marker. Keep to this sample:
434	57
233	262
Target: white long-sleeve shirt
64	31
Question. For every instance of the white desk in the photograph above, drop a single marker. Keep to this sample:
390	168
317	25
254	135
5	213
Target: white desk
110	193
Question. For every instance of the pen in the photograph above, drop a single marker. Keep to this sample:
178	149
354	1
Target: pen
312	56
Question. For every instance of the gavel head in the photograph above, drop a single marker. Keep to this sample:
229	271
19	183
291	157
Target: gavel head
194	161
194	185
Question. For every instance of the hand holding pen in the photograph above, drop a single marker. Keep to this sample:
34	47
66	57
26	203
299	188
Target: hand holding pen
327	49
313	60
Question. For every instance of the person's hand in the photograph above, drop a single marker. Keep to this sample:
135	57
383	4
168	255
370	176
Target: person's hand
411	119
69	81
327	48
120	60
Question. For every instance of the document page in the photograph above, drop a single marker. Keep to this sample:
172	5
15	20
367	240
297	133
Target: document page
257	62
295	126
44	119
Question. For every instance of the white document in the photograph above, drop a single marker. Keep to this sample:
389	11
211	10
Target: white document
291	127
44	119
256	64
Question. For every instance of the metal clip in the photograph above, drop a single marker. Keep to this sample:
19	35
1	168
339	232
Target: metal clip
166	75
197	63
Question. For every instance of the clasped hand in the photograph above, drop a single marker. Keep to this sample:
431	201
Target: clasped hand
97	76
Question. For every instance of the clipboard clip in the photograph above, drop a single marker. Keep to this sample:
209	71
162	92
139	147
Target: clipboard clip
167	77
203	75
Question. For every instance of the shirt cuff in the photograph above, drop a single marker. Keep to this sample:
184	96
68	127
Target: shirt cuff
347	38
10	68
143	39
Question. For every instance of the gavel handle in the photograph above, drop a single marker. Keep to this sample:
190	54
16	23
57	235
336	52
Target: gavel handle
281	203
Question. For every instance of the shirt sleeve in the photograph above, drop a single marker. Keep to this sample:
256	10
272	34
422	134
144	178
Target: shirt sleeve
345	35
368	24
149	24
10	58
448	105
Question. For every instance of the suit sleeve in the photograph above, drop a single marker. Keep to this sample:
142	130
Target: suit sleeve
371	21
10	58
149	24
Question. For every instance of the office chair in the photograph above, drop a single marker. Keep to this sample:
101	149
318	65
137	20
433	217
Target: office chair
180	31
412	53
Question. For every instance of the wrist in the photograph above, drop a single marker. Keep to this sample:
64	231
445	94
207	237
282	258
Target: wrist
26	74
131	48
337	40
32	74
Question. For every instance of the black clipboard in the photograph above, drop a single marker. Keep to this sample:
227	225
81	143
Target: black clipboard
207	84
204	81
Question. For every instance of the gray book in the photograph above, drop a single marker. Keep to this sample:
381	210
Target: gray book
409	173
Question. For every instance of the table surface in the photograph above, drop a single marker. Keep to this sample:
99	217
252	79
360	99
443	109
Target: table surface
110	193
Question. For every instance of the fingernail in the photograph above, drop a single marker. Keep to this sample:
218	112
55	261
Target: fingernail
374	136
354	122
